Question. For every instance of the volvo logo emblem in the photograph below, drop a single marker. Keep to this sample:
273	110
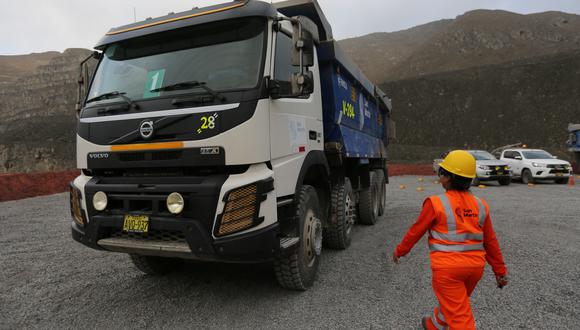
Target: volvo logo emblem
146	129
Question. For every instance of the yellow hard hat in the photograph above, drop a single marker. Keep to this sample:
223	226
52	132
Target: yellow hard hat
459	162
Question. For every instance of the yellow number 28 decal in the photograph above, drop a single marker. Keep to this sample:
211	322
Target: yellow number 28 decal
207	123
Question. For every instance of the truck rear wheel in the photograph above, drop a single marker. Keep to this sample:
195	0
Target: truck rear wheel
153	265
338	233
368	204
297	271
382	191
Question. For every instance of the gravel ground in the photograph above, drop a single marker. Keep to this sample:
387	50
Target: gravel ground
49	281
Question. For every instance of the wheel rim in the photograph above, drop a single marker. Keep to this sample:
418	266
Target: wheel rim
350	209
313	237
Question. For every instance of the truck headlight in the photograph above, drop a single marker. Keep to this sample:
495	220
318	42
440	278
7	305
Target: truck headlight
175	203
534	164
482	167
100	201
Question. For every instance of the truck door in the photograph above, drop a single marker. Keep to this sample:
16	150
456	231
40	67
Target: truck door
295	122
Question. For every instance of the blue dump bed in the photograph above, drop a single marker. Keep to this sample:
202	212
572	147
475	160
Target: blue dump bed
356	112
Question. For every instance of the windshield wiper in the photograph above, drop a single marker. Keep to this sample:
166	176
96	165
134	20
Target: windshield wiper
189	85
112	95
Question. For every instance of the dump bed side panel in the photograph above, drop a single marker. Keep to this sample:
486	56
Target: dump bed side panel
353	115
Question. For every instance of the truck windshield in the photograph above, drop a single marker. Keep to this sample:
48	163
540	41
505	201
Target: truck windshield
482	155
222	56
537	154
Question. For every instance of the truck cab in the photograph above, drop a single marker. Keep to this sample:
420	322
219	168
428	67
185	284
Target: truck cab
202	136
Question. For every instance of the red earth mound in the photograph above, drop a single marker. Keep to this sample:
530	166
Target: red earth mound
23	185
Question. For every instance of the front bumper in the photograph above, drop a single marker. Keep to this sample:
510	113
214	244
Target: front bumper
190	241
550	174
189	235
492	175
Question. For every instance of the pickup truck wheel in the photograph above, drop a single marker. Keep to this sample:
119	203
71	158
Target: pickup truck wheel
505	181
297	270
368	204
475	182
382	191
562	180
527	177
343	213
153	265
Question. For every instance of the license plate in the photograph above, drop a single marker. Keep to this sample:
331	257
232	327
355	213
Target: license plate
499	173
136	224
559	174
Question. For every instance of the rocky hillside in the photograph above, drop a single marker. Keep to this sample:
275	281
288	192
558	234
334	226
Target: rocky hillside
477	38
37	129
13	67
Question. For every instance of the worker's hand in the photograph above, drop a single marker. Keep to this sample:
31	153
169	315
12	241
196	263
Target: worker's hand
501	281
395	258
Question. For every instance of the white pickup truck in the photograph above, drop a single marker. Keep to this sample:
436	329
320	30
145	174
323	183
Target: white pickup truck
536	164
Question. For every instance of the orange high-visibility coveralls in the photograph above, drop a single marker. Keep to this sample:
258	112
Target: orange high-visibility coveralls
461	239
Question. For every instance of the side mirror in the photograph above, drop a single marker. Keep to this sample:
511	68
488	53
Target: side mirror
84	78
555	157
304	36
303	83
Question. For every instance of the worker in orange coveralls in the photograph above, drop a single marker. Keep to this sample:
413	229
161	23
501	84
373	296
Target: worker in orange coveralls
461	239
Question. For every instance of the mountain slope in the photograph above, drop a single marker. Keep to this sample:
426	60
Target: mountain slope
481	37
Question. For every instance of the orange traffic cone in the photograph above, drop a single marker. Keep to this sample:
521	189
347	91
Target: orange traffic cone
571	181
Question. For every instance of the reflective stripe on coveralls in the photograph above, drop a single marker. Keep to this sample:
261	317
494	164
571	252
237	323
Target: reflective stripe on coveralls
452	235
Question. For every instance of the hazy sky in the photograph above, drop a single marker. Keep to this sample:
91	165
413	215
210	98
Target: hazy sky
42	25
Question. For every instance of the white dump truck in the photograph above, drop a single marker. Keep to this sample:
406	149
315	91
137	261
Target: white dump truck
236	133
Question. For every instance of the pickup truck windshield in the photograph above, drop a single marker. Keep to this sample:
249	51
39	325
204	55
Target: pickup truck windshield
537	154
223	56
482	155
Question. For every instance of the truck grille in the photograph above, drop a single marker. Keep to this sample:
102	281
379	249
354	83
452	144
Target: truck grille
152	235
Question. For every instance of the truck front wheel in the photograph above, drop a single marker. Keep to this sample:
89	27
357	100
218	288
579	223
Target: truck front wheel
527	177
338	232
297	270
153	265
368	205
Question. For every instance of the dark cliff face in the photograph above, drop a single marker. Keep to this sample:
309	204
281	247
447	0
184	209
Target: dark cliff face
37	131
529	101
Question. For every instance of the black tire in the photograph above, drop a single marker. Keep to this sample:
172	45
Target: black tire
382	191
475	182
297	271
562	180
505	181
338	233
156	266
527	177
368	208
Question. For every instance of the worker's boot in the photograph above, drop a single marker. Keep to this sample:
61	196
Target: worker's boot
424	321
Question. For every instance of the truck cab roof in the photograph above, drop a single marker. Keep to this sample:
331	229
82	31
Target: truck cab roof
172	21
